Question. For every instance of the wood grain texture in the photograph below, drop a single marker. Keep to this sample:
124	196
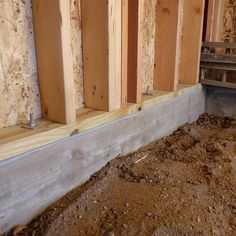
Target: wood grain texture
168	38
214	24
140	39
86	119
191	41
101	33
210	20
124	81
95	53
115	48
218	21
134	80
54	59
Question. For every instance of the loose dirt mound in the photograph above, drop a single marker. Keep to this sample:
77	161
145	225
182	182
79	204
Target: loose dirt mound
184	184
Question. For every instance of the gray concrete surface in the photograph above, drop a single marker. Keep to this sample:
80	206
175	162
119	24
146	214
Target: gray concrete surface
30	182
221	101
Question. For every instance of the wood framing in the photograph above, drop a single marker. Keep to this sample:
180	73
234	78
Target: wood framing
101	25
191	41
214	20
124	81
115	53
134	50
15	140
168	44
54	59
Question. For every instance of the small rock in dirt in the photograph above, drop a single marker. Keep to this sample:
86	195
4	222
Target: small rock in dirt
110	234
142	180
125	226
18	229
113	210
215	232
209	209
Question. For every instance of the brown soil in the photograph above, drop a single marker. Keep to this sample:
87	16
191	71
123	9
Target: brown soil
184	184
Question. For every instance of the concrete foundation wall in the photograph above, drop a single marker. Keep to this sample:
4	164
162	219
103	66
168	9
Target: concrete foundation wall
221	101
32	181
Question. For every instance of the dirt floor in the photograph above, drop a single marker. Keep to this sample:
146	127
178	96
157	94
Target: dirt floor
183	184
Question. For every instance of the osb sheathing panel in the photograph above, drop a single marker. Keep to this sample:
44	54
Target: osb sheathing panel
76	35
19	89
229	21
149	23
19	93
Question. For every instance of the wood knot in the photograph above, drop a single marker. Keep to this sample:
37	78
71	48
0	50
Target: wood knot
197	10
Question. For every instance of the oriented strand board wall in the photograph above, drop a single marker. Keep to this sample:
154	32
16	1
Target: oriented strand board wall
77	52
19	93
148	26
19	90
229	21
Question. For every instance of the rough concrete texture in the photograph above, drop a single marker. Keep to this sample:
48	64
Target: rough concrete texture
32	181
221	101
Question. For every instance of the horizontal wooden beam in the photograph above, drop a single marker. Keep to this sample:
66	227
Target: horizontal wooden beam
168	44
54	59
15	140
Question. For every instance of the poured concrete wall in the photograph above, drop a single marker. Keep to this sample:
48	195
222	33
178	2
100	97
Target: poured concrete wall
30	182
221	101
